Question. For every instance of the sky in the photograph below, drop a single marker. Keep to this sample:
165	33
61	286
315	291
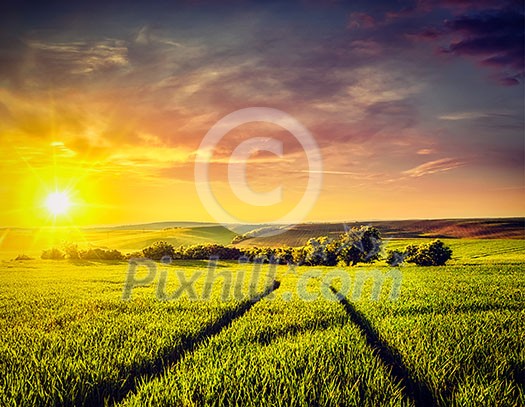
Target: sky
416	107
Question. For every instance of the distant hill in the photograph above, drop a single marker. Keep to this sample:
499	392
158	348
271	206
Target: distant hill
501	228
129	238
156	226
126	238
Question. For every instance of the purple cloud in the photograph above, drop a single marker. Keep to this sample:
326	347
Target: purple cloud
493	38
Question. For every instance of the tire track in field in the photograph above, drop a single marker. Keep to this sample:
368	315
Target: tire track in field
416	391
108	394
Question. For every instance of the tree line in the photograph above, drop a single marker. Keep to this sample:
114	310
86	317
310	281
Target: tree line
362	244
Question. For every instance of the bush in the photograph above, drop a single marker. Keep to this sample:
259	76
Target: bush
23	257
207	251
71	251
435	253
52	254
100	254
299	255
322	251
158	250
395	258
133	255
359	245
265	255
284	255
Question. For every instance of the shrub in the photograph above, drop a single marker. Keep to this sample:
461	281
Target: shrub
206	251
133	255
284	255
52	254
71	251
299	255
359	245
395	257
322	251
23	257
435	253
100	254
158	250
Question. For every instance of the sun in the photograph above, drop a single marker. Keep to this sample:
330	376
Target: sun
58	203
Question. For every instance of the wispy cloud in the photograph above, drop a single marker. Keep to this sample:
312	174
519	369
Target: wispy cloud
463	116
432	167
425	151
82	57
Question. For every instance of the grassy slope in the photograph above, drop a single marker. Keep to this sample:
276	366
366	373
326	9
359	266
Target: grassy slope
69	339
456	329
474	251
32	242
409	229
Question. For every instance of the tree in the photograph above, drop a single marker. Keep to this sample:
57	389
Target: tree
299	255
71	251
359	245
284	255
321	251
435	253
395	257
158	250
52	254
101	254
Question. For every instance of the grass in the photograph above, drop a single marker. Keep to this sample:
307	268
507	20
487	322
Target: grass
453	337
474	251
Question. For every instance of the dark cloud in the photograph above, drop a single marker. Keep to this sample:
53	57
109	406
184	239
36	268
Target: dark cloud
495	38
492	37
488	31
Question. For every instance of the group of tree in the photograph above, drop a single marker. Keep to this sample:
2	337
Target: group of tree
357	245
159	250
71	251
434	253
361	244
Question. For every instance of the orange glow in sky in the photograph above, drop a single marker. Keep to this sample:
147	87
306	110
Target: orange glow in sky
103	126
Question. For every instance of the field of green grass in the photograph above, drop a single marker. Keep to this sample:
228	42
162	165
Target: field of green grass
279	336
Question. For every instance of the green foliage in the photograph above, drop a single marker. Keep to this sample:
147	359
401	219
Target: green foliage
71	251
284	255
23	257
434	253
322	251
100	254
69	339
394	257
360	245
311	353
134	255
52	254
208	251
158	250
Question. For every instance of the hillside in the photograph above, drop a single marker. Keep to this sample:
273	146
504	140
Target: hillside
129	238
507	228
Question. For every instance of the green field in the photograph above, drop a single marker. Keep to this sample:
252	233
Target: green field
453	337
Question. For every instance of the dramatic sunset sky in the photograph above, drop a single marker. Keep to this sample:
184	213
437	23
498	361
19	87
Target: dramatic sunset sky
417	107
